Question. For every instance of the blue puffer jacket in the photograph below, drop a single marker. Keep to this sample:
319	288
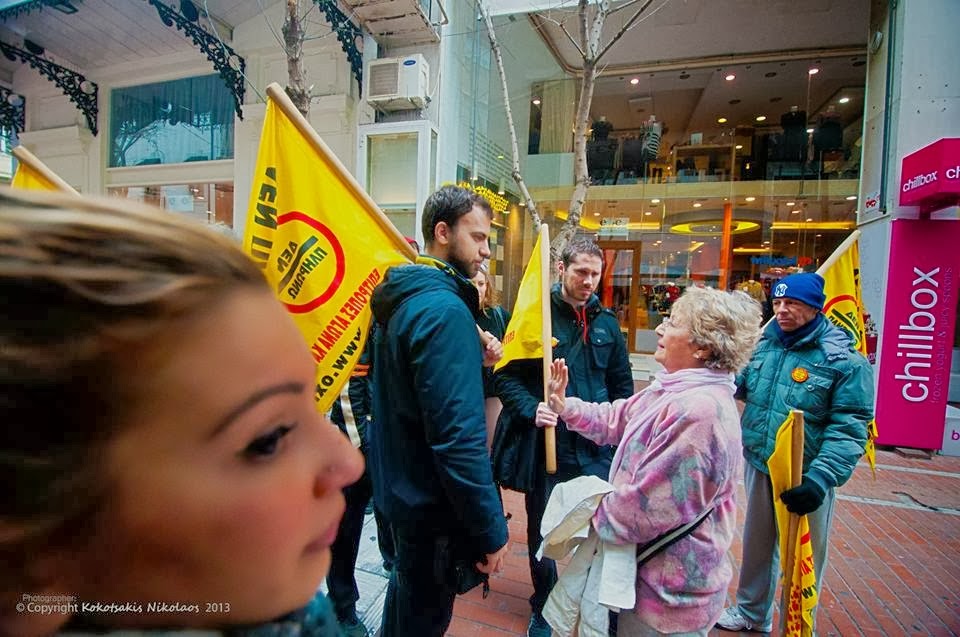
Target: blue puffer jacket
428	453
833	385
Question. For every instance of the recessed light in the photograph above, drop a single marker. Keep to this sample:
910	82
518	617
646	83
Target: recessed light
813	71
647	214
684	76
819	235
733	102
809	219
761	118
721	120
596	214
739	147
809	130
843	100
751	198
730	77
654	201
852	198
795	212
635	81
790	203
793	243
766	243
770	74
536	101
697	204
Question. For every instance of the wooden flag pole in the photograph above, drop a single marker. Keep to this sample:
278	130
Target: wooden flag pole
24	156
546	334
283	102
796	477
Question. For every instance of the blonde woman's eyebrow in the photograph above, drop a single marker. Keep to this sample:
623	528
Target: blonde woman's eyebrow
255	399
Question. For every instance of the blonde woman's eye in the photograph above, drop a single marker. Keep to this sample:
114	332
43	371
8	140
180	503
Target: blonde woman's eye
267	445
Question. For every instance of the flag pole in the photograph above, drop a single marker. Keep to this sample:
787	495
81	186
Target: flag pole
24	156
796	477
835	256
283	102
546	335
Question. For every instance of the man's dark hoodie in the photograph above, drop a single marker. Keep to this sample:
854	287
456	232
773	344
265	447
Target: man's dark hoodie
428	454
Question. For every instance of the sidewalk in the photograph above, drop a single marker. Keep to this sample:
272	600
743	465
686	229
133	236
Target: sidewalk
894	560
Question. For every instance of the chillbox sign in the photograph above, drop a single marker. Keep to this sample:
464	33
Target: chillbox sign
918	324
930	177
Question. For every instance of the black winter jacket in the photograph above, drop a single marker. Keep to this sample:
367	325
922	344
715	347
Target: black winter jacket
428	453
599	368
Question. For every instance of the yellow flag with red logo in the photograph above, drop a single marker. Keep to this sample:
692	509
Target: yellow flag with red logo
523	337
844	307
321	241
800	586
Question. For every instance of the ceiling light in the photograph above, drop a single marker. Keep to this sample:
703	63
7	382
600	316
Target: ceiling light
761	118
730	77
813	71
721	120
536	101
739	146
790	203
751	198
635	81
654	201
596	214
795	212
697	204
809	130
647	214
852	198
766	243
809	219
793	243
844	100
819	235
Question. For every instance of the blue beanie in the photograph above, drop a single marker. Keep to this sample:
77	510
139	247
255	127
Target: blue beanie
806	287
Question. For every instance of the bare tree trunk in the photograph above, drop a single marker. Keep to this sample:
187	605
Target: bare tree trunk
514	148
293	40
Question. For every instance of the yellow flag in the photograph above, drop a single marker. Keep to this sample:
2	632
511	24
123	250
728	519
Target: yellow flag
523	338
322	243
844	307
26	178
802	582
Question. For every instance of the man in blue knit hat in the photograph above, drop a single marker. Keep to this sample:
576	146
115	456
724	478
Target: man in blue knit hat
804	362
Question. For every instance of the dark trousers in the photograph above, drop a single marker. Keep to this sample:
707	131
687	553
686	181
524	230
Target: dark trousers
419	601
384	539
341	583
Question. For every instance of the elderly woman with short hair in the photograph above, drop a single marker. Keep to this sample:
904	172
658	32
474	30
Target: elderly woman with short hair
679	456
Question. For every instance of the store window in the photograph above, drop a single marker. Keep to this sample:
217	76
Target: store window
210	203
184	120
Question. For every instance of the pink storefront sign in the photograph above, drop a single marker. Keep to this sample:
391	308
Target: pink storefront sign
930	177
918	324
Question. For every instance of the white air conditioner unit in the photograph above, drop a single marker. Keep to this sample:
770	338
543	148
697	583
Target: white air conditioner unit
397	84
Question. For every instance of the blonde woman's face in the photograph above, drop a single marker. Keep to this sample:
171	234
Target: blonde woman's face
227	483
480	280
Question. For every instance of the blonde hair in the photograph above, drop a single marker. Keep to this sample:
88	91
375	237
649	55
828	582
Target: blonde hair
726	323
86	287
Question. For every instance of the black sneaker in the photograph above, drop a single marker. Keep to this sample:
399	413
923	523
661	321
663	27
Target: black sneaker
538	626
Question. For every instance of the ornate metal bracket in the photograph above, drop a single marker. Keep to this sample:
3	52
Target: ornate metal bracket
24	8
228	64
12	109
347	33
79	89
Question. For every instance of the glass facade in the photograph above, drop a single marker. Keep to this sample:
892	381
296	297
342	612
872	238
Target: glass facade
727	176
210	203
171	122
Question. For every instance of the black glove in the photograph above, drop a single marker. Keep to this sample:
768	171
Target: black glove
804	499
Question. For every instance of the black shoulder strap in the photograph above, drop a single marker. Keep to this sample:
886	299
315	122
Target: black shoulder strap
648	550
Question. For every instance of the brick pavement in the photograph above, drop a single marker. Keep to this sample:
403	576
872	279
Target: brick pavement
894	560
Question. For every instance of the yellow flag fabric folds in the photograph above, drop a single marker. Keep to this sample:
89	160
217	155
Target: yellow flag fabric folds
26	178
523	337
802	582
844	307
320	246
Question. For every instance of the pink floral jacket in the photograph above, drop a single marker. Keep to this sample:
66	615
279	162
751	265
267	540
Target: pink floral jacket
679	454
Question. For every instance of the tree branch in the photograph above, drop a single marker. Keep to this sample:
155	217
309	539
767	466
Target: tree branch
514	148
623	29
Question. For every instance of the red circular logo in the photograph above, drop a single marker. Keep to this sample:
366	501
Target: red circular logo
298	264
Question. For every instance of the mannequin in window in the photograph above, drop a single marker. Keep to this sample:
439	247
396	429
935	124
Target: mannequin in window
601	128
794	124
